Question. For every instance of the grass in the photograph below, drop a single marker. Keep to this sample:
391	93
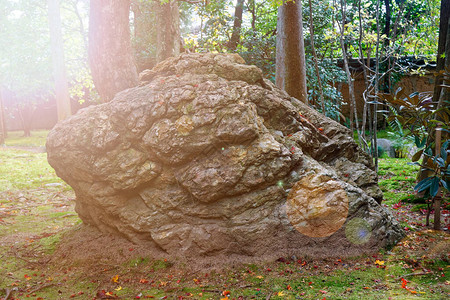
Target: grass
35	218
25	170
396	179
17	139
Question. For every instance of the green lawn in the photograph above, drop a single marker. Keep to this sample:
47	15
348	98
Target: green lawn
17	139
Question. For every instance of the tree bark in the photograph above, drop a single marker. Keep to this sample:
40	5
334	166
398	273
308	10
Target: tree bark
351	85
445	93
110	53
290	54
377	81
387	24
236	35
440	62
59	68
168	33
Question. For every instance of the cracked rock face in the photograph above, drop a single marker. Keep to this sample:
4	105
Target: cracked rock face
206	157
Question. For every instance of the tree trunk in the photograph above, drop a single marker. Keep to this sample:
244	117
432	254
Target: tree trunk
110	52
290	57
26	114
351	85
168	33
445	93
236	35
59	68
253	12
2	120
377	82
443	60
440	62
366	81
387	24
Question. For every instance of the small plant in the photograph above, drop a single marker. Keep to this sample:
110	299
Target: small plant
438	166
437	170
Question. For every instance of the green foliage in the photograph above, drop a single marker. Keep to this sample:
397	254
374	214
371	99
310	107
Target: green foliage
438	167
330	74
259	50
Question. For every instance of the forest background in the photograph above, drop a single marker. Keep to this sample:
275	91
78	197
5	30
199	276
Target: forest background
382	39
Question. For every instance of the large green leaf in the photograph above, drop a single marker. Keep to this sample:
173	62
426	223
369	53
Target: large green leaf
417	155
434	187
423	184
445	185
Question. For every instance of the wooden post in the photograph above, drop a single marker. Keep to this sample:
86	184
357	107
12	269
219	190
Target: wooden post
437	199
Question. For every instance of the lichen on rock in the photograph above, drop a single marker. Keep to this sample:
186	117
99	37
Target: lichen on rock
206	157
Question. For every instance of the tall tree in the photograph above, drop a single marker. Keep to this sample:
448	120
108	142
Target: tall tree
351	85
59	68
168	33
2	120
290	74
110	53
441	56
236	35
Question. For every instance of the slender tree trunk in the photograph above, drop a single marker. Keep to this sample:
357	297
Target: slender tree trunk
2	120
387	24
290	55
377	73
236	35
386	44
445	93
440	62
253	12
110	53
351	85
59	68
366	81
168	33
26	113
316	63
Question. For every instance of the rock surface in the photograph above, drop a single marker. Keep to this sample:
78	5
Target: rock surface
387	146
207	158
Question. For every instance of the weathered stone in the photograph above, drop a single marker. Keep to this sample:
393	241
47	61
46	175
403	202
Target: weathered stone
387	146
206	157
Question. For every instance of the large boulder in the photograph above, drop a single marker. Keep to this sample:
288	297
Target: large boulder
206	157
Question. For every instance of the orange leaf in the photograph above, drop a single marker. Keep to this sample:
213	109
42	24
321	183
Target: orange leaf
404	282
115	279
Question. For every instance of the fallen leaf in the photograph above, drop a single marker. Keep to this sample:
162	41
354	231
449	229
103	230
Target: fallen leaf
379	262
404	282
118	288
115	279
